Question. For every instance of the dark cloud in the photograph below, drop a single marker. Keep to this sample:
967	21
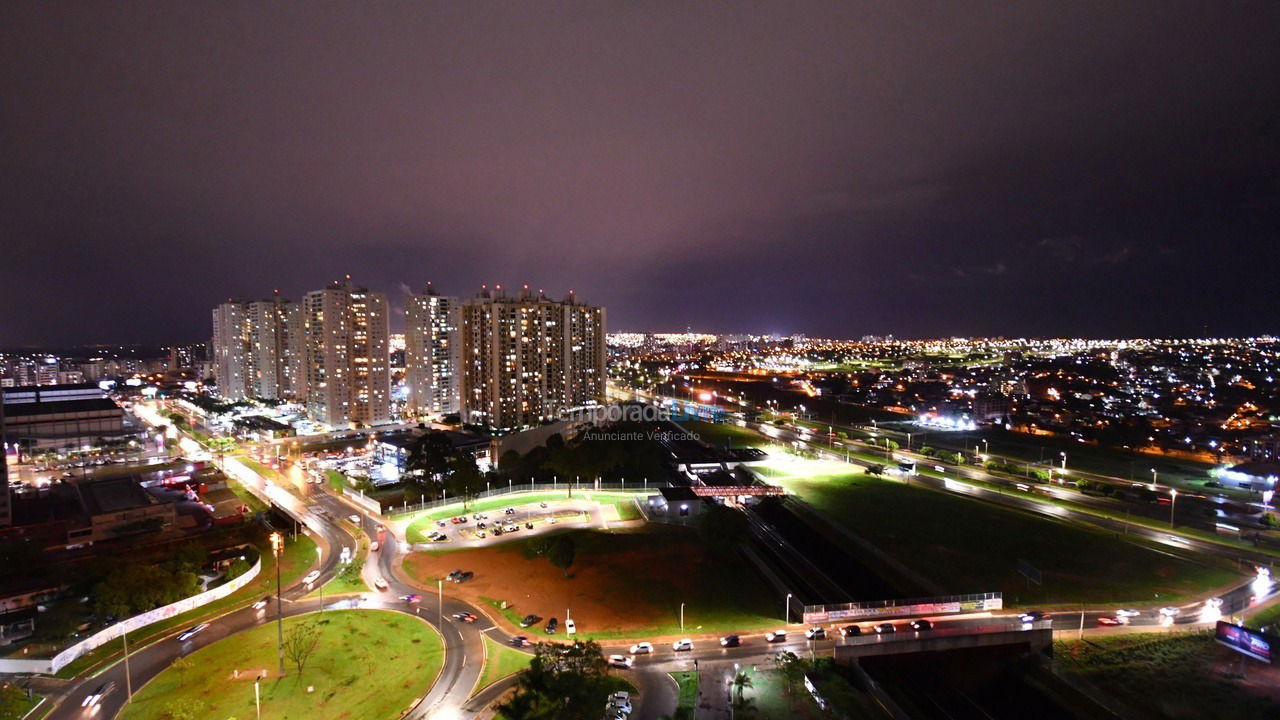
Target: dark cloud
835	168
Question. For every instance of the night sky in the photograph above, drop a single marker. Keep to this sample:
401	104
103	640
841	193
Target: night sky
922	169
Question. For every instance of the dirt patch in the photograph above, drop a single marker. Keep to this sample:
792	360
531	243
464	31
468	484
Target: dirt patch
620	581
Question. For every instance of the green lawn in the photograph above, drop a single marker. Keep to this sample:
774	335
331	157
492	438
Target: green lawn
337	481
267	473
499	662
969	546
1269	616
406	653
1170	675
687	700
298	556
724	434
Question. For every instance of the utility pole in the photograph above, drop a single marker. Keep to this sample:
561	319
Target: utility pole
128	680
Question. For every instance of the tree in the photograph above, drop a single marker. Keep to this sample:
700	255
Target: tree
562	683
722	529
429	457
562	553
181	665
791	668
299	643
464	478
183	709
741	682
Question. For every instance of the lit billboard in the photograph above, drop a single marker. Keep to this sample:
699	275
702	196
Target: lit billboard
1245	641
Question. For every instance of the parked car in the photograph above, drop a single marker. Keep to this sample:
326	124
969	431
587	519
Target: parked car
681	645
851	631
885	628
529	619
920	625
775	636
509	511
552	625
621	661
569	627
463	576
528	526
642	648
729	641
480	535
191	632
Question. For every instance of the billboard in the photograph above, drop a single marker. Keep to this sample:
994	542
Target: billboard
1245	641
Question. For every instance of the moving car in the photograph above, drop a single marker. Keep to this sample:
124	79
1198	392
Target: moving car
99	693
191	632
380	583
355	519
642	648
543	504
262	603
815	633
1169	612
621	661
1033	616
679	645
552	625
775	636
311	577
729	641
375	546
851	631
885	628
1127	613
529	619
411	598
520	641
921	625
465	617
1109	620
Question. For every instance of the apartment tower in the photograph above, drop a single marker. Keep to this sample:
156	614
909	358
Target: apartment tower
432	353
347	362
528	358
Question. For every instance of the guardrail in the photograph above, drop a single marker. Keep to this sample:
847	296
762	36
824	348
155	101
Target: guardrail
952	604
52	665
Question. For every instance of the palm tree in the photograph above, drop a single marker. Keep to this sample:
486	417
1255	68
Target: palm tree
741	682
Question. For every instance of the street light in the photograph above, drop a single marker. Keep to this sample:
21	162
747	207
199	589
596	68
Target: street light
277	544
1173	503
682	618
1154	476
1064	460
786	612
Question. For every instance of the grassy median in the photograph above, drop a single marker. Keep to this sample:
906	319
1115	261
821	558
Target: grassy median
367	664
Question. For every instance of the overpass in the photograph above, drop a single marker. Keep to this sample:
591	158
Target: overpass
1035	637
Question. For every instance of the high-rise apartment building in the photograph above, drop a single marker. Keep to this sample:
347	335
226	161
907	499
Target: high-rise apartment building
528	358
257	349
346	365
432	353
231	349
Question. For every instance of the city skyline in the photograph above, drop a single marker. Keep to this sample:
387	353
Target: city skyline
925	171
